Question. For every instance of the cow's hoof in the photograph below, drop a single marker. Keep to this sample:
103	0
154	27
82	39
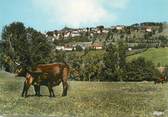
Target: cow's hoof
39	95
63	95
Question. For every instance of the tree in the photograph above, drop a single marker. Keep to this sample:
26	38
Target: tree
39	50
163	41
24	46
13	37
101	27
1	55
79	48
110	63
115	62
90	67
160	28
121	60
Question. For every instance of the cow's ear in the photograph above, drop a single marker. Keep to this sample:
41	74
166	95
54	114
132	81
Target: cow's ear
27	74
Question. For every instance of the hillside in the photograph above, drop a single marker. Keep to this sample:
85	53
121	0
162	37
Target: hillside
156	55
147	34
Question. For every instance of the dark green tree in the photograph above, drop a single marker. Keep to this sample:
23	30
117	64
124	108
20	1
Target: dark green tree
101	27
79	48
24	46
14	38
39	49
121	69
115	62
110	63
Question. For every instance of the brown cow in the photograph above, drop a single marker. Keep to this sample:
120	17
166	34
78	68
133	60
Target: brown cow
36	79
49	75
160	80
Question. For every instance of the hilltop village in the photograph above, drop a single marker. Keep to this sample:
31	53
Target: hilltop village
147	34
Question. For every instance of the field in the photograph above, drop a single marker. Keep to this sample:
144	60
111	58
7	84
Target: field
85	99
156	55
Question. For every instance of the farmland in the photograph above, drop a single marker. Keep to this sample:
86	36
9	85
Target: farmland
85	99
156	55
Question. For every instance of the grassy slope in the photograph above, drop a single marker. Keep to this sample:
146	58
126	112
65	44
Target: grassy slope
156	55
85	99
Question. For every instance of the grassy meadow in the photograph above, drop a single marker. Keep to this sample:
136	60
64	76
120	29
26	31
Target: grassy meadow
85	99
156	55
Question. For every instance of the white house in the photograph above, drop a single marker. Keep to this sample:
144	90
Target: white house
119	27
59	47
91	34
148	30
68	48
105	31
129	49
75	34
54	35
98	31
97	46
53	39
67	34
58	36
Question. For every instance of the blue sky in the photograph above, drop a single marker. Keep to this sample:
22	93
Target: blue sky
45	15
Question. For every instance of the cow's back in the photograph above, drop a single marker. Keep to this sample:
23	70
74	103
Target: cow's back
50	68
56	72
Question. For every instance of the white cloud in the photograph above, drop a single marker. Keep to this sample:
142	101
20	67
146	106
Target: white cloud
79	12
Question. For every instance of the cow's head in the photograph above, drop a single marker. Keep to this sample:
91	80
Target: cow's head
20	71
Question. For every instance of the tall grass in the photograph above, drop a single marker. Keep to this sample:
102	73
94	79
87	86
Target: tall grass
85	99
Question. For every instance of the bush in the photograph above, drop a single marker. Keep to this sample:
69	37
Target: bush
140	69
79	48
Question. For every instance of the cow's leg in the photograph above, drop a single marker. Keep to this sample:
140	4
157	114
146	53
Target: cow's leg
24	89
26	92
37	90
52	91
49	88
65	88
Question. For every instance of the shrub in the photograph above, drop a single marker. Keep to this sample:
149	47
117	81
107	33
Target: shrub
140	69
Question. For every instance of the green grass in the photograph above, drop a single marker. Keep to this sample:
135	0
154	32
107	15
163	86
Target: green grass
156	55
85	99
